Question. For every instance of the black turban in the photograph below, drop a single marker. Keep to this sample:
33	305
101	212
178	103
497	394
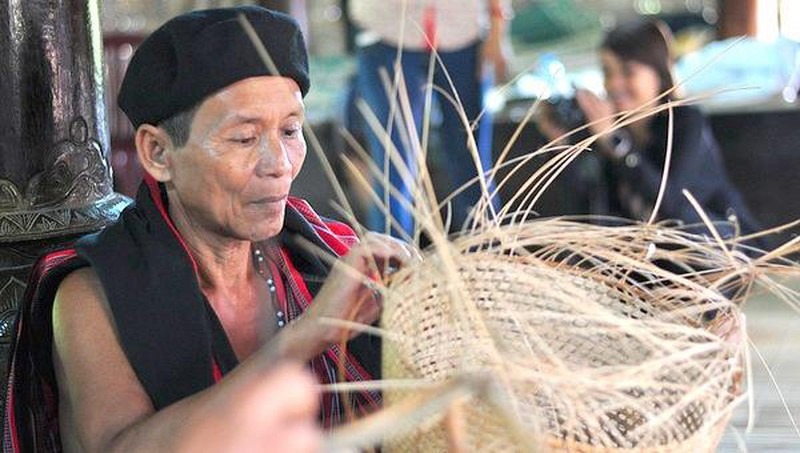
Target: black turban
199	53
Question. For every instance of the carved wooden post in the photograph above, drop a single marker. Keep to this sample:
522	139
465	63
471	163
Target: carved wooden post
55	181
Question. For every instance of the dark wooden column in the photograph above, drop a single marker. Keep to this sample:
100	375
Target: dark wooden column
294	8
737	18
277	5
55	181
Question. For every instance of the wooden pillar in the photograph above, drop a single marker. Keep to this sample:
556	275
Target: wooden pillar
55	182
737	18
294	8
277	5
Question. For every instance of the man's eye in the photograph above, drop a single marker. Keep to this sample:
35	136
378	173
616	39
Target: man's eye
244	140
291	132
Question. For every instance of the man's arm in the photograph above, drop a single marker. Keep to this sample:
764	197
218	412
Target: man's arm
104	408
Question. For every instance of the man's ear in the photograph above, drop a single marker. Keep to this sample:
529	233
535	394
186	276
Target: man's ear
152	144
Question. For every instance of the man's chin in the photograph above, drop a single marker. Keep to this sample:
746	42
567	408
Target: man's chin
257	226
266	232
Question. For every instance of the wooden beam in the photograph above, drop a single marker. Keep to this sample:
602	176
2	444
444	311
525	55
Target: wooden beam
737	18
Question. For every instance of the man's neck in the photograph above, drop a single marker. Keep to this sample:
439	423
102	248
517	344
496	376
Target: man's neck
222	266
222	263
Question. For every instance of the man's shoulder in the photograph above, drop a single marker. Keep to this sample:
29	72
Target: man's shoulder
79	302
79	285
76	295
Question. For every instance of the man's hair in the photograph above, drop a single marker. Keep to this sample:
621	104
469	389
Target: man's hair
179	125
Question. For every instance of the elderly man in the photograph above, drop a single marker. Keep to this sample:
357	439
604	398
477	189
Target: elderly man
165	331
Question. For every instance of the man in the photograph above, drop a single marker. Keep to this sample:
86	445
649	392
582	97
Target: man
168	328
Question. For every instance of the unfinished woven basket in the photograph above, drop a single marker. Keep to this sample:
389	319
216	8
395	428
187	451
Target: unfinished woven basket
586	350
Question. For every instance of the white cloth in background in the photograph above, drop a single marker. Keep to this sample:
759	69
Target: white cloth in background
751	70
458	22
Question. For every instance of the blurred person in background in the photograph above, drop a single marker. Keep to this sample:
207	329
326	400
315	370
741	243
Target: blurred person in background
637	64
470	39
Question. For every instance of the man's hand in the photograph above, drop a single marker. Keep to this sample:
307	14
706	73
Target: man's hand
349	292
276	412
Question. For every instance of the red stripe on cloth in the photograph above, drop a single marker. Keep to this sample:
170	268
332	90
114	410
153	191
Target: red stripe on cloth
339	240
356	373
42	267
53	260
10	412
215	371
429	27
353	370
45	264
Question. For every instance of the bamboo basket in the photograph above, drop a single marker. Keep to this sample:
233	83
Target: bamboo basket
585	352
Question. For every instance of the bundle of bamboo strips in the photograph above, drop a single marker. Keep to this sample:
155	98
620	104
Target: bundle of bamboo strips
590	343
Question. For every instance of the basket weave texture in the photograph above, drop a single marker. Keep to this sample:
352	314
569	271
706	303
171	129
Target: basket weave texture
580	358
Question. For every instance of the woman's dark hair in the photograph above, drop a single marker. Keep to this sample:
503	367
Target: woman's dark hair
645	41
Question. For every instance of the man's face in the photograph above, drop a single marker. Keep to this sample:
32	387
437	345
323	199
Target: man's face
245	148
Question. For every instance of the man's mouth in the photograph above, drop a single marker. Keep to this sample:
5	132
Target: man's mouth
271	199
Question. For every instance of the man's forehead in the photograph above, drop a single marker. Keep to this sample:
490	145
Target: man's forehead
254	116
257	93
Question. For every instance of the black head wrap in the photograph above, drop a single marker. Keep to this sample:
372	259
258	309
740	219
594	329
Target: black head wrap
198	53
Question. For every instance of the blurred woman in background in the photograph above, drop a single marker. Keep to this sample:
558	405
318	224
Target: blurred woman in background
637	62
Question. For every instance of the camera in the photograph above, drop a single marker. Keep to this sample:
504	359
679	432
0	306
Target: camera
560	104
565	112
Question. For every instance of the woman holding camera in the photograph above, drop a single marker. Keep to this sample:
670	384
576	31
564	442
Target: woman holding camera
637	69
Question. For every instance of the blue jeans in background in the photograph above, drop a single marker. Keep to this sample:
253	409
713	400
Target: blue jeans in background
463	66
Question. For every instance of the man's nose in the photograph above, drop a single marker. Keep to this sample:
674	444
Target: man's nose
273	157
